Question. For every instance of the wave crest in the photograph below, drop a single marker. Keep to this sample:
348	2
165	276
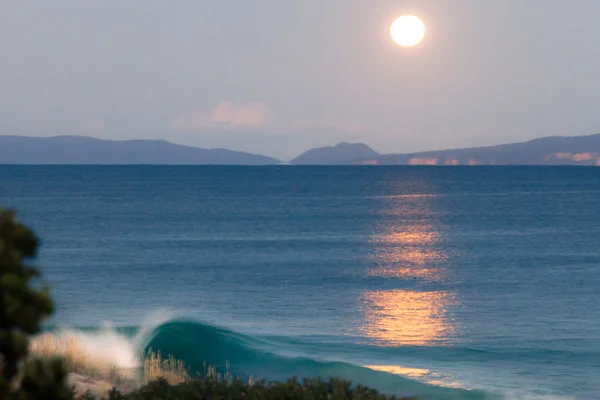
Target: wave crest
198	345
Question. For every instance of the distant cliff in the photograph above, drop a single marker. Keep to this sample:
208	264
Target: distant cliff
342	153
85	150
556	150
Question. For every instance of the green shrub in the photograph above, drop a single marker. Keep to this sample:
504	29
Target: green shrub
213	389
23	307
44	380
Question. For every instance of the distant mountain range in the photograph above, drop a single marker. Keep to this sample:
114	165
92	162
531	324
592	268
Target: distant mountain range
85	150
557	150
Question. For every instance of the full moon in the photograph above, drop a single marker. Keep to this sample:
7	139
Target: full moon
407	30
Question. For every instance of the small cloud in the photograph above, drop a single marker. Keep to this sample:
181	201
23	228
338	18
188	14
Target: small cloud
228	115
253	114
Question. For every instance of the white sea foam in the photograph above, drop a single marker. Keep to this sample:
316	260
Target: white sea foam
106	347
103	350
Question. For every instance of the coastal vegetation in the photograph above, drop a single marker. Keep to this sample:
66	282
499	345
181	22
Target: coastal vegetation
52	366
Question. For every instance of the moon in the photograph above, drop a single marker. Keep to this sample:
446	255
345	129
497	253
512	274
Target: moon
408	30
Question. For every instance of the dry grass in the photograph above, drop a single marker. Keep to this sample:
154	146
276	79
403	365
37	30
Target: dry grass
170	369
76	357
79	360
210	372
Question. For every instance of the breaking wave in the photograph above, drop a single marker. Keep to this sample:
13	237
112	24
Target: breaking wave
198	344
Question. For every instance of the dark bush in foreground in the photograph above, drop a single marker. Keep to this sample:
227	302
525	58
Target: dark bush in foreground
210	389
23	307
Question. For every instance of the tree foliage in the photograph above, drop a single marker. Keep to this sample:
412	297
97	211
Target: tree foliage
23	307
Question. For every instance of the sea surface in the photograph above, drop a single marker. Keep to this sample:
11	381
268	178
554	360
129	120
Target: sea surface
442	282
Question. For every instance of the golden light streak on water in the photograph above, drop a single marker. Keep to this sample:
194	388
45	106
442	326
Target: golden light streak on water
399	370
407	318
409	248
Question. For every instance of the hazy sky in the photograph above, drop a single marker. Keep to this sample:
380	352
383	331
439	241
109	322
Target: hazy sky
278	76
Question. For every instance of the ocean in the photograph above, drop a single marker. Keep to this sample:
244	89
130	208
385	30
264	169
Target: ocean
441	282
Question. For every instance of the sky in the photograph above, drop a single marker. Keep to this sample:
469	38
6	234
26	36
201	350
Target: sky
278	77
